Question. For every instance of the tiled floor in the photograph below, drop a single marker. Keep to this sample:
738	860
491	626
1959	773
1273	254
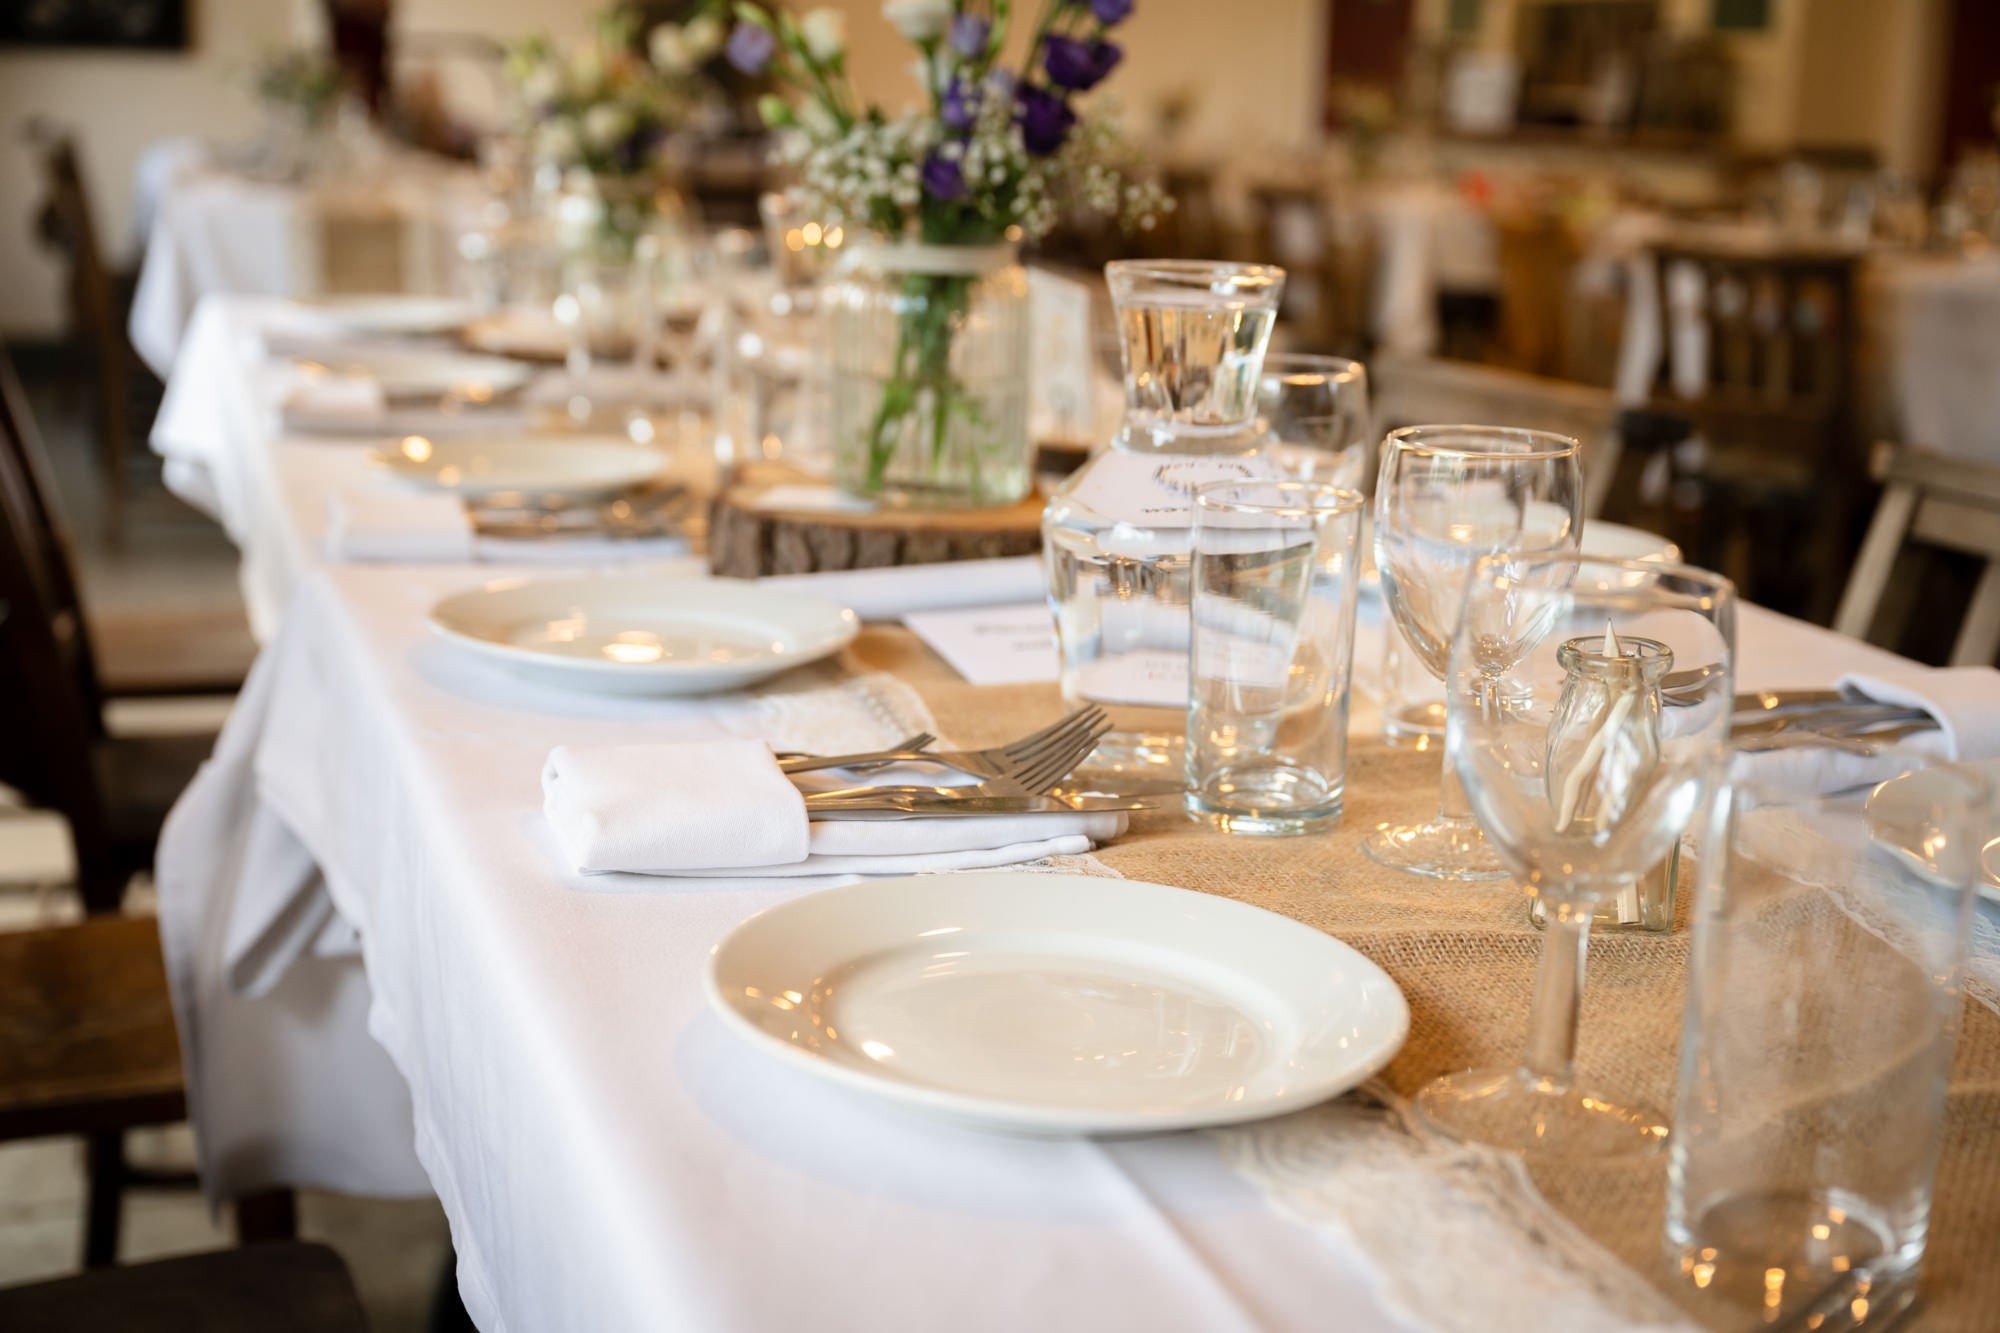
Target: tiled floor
172	562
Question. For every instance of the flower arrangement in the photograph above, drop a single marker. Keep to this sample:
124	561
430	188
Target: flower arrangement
992	155
605	108
303	81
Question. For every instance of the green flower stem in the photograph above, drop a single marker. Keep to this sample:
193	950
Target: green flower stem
934	306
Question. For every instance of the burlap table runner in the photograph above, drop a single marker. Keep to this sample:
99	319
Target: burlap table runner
1465	955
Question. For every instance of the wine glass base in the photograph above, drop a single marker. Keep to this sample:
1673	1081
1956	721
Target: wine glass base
1511	1109
1440	848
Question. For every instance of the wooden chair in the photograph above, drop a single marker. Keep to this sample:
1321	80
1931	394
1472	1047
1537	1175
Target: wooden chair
296	1287
68	225
1935	501
1780	472
1414	391
114	791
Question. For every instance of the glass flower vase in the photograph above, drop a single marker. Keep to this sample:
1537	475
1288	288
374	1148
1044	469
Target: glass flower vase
930	376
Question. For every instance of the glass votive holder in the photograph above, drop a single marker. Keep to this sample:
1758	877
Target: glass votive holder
1273	583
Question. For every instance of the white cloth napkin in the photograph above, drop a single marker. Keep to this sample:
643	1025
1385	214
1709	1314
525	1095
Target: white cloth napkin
371	524
337	398
723	809
1964	700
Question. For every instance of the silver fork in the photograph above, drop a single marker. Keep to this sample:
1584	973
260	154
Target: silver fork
1035	777
1029	755
921	740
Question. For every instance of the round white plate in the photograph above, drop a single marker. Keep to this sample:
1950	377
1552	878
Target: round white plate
1058	1004
388	313
1898	811
420	373
578	465
644	634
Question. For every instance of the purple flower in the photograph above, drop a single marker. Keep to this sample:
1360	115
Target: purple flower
1045	121
1079	66
960	107
942	178
750	47
969	33
1109	12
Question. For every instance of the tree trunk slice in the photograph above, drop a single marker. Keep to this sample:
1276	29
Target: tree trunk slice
745	541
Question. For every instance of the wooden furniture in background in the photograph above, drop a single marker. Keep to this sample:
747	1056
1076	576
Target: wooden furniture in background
295	1287
746	541
1776	486
66	223
1933	501
1413	391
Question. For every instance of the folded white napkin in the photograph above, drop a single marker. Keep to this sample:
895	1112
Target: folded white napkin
347	398
894	592
1964	700
389	525
723	809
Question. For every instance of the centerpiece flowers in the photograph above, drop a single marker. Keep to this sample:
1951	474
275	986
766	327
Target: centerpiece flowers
929	321
596	118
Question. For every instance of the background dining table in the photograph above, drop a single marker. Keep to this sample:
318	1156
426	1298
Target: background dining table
387	983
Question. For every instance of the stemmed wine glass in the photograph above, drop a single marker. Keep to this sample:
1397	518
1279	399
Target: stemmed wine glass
1445	496
1589	706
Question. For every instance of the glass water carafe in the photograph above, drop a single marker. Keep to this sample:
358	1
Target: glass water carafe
1116	537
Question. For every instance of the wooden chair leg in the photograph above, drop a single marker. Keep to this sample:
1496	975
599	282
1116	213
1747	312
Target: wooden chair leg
272	1215
104	1171
1872	567
1979	636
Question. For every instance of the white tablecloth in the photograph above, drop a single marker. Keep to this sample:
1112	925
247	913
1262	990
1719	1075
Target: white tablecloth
608	1155
1937	326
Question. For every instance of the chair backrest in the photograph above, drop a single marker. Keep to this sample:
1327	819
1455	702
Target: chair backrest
49	720
1415	391
67	223
1779	330
1934	501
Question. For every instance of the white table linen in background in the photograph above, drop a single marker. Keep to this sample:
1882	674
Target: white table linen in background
1939	330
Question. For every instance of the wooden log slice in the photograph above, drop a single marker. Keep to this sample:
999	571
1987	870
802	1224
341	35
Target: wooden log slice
745	541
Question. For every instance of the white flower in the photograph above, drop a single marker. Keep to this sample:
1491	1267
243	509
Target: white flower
670	49
704	36
919	20
825	33
586	69
556	142
817	120
606	125
543	85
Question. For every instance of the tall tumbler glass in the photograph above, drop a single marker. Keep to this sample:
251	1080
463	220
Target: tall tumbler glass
1271	654
1314	411
1823	1004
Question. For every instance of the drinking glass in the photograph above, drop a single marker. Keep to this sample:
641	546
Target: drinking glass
1271	654
1583	774
1314	410
1445	496
1823	1001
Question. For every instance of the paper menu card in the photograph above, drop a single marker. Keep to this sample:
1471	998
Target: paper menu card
1061	393
992	645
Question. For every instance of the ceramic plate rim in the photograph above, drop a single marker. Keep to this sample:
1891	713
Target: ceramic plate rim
422	476
751	669
1985	886
1043	1119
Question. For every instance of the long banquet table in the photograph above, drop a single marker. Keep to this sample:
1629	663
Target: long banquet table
387	983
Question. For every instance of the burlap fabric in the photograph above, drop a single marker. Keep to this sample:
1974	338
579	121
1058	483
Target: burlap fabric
1465	955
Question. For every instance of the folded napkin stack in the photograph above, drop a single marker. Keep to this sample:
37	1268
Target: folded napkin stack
1965	701
384	524
723	809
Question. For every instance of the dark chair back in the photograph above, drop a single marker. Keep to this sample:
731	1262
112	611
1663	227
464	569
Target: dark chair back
50	722
67	224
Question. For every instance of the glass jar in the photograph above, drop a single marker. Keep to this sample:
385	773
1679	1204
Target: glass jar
1604	738
930	375
1117	536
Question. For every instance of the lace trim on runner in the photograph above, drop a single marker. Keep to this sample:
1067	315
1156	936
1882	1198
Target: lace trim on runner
833	717
1458	1236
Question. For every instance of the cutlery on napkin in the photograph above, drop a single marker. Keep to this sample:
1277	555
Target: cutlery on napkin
1964	703
724	809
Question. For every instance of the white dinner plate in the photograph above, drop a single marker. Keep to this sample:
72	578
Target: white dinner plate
1898	811
643	633
475	465
1058	1004
422	373
387	313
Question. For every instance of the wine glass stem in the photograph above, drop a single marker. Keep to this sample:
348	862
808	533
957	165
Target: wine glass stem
1551	1057
1452	805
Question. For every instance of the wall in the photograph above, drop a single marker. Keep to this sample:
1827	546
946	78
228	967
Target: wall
1869	74
118	104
